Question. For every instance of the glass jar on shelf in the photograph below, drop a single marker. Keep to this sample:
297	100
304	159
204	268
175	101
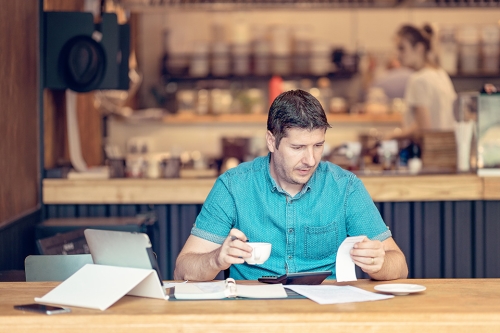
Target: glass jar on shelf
469	49
199	66
241	59
261	54
221	63
490	48
448	55
280	50
320	58
301	50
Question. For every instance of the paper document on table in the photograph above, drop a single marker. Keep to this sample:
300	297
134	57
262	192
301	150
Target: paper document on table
344	267
324	294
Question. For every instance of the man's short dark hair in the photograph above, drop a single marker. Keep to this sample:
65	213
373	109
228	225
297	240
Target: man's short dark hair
295	109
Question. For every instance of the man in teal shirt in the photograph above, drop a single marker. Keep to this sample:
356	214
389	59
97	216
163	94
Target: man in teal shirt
303	206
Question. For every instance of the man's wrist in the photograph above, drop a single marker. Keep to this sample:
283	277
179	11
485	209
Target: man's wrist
215	260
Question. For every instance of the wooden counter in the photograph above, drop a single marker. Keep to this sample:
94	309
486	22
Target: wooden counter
491	190
194	191
448	305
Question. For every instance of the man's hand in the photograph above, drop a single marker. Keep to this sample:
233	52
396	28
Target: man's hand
202	260
233	250
368	255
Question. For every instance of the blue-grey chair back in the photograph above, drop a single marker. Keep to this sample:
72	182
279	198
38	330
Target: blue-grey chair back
54	267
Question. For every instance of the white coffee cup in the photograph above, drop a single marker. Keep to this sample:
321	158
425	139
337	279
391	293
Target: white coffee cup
260	253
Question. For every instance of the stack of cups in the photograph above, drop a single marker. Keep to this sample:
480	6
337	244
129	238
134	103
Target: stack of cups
448	50
463	138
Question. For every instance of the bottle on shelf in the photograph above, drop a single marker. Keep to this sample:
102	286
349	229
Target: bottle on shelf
165	73
275	87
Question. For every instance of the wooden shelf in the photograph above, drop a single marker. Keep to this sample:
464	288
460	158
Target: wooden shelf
491	188
191	119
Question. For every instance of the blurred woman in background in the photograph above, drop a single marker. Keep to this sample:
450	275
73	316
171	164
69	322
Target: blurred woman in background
429	94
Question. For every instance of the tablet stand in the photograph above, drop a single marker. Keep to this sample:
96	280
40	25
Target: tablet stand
100	286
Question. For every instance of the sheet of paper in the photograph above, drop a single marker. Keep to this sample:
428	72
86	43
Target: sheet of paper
211	287
201	290
344	267
325	294
261	291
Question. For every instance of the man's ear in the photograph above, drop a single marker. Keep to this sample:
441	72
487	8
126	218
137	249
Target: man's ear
270	141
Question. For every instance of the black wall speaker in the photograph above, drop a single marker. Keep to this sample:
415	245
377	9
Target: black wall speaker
84	56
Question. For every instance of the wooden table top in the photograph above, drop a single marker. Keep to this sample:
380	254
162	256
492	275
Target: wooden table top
448	305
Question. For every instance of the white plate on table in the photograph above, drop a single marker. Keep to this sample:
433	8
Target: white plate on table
399	289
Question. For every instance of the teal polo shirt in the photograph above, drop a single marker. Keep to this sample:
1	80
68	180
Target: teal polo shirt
305	230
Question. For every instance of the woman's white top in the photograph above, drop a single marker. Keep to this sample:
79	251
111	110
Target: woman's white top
431	88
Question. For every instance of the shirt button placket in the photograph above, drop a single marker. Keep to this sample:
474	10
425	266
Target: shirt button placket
290	231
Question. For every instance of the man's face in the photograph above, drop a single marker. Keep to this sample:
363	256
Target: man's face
296	159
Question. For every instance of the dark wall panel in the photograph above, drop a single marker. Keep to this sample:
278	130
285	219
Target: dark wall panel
457	239
17	241
463	240
416	264
448	240
432	239
479	250
492	238
401	228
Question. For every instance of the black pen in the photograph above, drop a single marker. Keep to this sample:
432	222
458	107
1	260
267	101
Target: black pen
236	238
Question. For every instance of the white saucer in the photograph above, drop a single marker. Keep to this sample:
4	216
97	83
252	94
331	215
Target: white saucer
400	289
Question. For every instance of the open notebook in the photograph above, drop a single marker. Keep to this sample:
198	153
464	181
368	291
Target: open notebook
227	289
